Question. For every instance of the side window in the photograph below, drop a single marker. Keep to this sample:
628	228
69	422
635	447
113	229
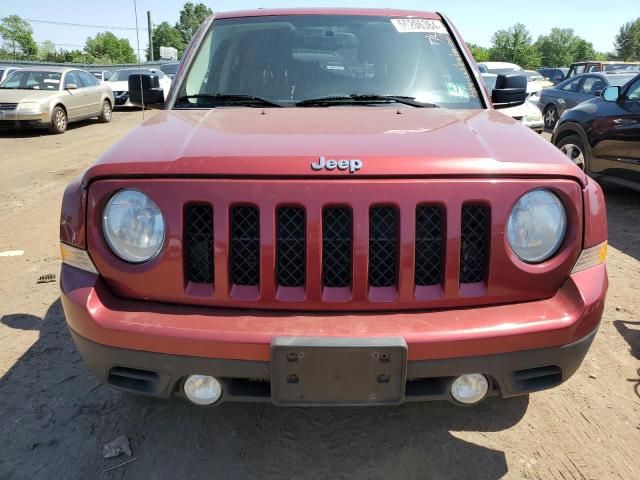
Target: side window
593	68
633	94
591	85
571	86
72	77
88	80
578	69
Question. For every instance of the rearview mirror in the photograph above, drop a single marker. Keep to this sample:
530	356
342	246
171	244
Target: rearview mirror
510	91
145	90
611	94
71	86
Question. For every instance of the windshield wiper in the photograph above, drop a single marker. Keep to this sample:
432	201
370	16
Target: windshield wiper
364	98
218	99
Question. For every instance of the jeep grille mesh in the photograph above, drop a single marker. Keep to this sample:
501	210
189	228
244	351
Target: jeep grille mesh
245	245
383	246
475	243
291	246
337	231
429	245
198	243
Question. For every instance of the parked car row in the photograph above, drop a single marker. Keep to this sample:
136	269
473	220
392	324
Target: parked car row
53	97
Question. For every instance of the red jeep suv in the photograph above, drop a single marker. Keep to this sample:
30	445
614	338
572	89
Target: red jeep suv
329	210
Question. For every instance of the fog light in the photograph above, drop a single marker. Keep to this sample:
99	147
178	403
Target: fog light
202	389
470	388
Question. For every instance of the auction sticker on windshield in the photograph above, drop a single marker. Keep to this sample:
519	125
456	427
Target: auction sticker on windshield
418	25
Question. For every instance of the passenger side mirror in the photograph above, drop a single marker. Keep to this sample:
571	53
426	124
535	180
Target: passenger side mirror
611	94
510	91
145	90
71	86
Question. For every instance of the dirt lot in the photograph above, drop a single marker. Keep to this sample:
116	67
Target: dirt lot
55	417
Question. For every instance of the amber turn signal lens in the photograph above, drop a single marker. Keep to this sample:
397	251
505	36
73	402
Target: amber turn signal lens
591	257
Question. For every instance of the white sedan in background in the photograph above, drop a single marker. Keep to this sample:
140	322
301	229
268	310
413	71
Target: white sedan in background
119	83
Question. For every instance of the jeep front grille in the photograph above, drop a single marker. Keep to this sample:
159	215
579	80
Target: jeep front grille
337	245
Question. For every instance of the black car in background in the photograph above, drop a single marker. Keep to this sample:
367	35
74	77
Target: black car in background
554	75
602	135
575	90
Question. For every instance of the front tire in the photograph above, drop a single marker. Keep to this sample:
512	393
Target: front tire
550	117
574	148
59	120
106	113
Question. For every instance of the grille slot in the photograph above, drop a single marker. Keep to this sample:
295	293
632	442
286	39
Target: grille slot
429	245
337	233
8	106
291	245
475	244
383	246
199	243
245	245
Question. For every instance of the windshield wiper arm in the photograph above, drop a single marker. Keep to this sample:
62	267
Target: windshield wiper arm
232	99
364	98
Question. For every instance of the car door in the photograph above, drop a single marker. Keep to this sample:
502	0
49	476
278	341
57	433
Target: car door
616	136
567	94
93	91
75	99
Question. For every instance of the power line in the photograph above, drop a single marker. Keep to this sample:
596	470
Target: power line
67	24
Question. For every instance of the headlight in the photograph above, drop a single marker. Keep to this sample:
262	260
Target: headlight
30	107
133	226
537	226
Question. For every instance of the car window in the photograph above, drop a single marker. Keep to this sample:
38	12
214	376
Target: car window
72	78
633	93
593	68
33	80
88	80
293	58
570	86
591	85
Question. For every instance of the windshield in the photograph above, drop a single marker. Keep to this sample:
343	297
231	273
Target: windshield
32	80
619	80
622	67
533	76
290	59
123	75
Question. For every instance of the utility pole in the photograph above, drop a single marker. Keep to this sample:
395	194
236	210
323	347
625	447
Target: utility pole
150	35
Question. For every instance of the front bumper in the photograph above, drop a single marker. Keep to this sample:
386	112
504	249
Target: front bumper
12	118
521	347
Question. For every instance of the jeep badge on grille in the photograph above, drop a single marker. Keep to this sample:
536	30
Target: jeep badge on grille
323	164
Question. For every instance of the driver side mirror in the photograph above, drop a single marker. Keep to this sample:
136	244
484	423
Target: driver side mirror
510	91
611	94
71	86
145	90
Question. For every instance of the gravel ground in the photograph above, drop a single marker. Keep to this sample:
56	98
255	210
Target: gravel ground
55	417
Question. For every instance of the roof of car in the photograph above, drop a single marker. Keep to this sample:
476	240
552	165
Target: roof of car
606	62
51	68
375	12
501	65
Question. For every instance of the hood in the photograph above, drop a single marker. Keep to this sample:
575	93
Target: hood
119	86
286	141
23	95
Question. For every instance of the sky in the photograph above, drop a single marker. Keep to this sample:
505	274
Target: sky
476	19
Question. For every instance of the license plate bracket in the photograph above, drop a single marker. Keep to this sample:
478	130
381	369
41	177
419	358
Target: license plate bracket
315	371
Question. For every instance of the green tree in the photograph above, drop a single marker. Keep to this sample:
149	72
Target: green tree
628	41
164	35
514	45
18	36
191	17
480	54
47	51
583	50
107	48
557	48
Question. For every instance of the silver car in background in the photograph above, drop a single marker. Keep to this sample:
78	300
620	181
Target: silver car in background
52	97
